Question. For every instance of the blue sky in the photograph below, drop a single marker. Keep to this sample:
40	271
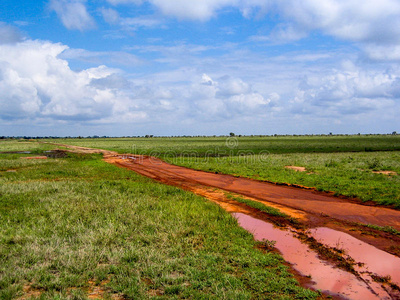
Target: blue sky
199	67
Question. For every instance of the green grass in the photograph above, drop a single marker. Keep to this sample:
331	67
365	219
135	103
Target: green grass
223	146
23	145
258	205
67	221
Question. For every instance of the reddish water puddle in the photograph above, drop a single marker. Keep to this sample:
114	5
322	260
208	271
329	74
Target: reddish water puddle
375	261
325	277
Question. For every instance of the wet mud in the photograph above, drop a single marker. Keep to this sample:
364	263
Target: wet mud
325	276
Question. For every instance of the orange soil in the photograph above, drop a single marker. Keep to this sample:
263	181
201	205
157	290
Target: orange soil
308	201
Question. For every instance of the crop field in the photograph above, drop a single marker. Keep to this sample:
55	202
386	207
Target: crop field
346	165
76	226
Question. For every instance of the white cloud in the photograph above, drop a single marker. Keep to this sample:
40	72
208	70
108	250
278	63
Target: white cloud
9	34
347	92
117	2
143	21
73	14
373	25
350	20
35	83
110	15
382	52
201	10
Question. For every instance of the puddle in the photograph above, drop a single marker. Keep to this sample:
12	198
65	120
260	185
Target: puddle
376	261
16	152
325	277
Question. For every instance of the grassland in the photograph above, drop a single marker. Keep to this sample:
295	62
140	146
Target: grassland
342	164
69	226
223	146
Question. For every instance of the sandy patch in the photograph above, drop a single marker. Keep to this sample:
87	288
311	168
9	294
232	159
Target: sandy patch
389	173
298	169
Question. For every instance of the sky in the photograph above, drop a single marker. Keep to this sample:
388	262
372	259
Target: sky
199	67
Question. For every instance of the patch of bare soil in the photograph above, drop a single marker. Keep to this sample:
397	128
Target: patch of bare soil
299	169
99	291
34	157
29	293
389	173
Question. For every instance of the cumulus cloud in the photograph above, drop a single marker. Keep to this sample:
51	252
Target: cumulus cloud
374	25
370	22
36	83
347	92
73	14
227	97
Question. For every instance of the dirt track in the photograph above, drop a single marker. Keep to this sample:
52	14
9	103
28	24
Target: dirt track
300	199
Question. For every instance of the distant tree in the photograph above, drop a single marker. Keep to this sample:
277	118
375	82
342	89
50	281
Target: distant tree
231	134
394	133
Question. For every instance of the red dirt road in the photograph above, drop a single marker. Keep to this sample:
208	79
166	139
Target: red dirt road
308	201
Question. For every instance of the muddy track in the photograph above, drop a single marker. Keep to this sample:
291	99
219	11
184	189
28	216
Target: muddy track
311	210
313	207
300	199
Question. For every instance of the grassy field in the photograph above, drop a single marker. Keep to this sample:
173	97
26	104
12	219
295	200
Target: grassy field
69	226
223	146
342	164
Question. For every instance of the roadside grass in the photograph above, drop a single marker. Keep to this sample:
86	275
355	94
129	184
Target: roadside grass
67	224
387	229
349	174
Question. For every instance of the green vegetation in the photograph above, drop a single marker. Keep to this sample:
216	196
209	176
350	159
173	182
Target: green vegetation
387	229
342	164
23	145
70	223
231	146
258	205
